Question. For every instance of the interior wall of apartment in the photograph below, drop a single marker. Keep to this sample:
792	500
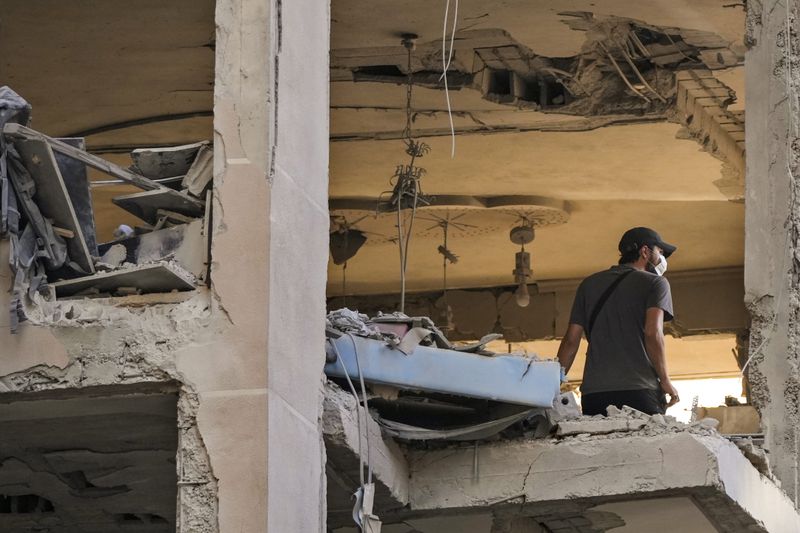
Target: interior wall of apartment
772	221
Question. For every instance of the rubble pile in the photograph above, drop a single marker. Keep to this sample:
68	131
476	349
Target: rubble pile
627	421
46	214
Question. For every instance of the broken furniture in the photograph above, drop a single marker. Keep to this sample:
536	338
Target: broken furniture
49	177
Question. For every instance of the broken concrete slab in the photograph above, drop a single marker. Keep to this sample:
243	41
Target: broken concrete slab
146	205
706	468
503	378
340	427
161	277
166	162
596	426
52	197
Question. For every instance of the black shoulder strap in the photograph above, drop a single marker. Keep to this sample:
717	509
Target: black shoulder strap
602	301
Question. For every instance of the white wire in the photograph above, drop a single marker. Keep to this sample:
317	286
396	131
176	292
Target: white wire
789	98
358	411
446	60
366	406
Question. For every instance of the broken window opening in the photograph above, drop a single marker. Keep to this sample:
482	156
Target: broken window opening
48	214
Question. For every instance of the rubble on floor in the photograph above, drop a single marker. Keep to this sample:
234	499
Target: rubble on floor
621	422
46	213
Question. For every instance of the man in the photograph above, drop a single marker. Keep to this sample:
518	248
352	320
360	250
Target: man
622	311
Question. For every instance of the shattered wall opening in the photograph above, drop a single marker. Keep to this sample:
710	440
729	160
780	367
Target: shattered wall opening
89	460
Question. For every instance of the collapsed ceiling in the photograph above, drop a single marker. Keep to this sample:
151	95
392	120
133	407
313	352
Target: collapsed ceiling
570	103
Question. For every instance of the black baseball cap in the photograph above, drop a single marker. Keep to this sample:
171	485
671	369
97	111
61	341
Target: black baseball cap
635	238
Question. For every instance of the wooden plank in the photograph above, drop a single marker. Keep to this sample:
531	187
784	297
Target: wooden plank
145	205
147	278
53	199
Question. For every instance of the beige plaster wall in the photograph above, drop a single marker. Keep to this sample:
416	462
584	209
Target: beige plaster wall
771	227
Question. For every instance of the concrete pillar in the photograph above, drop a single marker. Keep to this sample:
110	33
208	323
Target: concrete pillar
269	264
772	226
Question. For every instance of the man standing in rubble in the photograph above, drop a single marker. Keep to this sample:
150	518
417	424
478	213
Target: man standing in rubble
622	311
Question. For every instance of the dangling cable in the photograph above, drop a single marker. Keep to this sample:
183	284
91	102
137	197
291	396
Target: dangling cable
358	411
446	59
344	284
408	176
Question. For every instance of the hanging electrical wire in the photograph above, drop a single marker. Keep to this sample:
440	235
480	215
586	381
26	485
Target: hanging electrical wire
407	191
447	58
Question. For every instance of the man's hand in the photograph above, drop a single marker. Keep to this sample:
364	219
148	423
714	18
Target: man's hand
670	390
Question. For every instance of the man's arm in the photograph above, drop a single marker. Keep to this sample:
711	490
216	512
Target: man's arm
569	346
654	343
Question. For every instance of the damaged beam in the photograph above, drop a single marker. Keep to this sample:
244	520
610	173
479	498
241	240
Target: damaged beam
505	378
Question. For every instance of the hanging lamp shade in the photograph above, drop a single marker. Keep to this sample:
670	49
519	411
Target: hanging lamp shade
345	244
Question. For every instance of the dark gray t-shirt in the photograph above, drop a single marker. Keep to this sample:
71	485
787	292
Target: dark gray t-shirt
617	359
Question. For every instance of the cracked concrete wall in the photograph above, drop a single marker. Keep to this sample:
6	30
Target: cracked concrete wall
248	353
772	224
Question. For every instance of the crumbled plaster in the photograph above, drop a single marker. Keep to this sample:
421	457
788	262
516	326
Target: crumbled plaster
772	225
114	345
197	486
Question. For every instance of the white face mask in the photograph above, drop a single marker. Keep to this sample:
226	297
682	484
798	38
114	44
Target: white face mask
661	267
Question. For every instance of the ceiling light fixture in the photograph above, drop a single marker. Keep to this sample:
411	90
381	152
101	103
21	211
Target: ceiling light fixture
522	234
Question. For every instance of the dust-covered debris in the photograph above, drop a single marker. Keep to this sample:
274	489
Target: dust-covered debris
53	251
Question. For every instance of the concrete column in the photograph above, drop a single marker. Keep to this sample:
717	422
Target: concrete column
260	421
772	224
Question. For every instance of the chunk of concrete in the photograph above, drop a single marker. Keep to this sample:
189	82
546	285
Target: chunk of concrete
596	426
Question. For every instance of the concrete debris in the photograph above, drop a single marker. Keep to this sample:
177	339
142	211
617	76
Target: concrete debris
114	256
168	162
348	321
54	252
627	420
598	426
625	66
756	455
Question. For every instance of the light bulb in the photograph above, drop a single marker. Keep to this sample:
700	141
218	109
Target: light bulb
521	295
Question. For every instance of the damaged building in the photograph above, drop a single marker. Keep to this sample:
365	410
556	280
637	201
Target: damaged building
305	266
